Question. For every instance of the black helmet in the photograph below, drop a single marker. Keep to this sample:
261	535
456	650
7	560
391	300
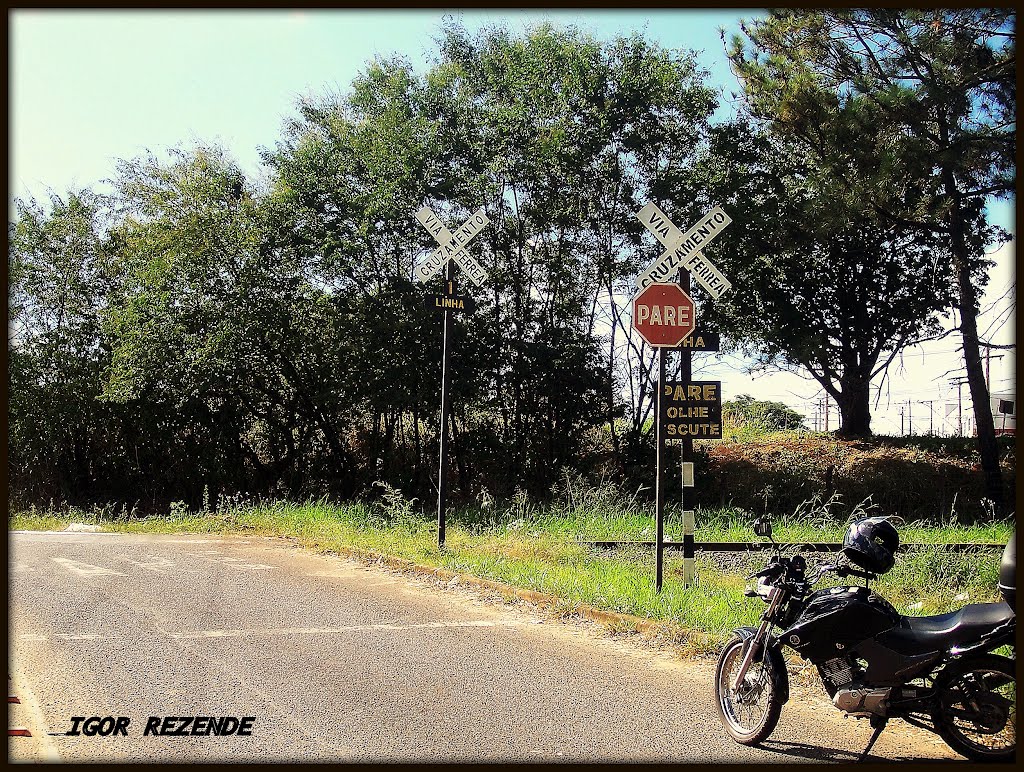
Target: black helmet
871	544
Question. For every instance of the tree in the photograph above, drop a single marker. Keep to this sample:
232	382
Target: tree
570	137
217	350
57	276
348	176
559	137
827	287
763	415
916	111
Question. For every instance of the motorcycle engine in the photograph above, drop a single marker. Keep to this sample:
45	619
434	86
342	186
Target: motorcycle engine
864	702
840	678
836	673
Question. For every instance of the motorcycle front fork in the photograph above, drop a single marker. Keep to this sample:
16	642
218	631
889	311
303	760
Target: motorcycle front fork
757	643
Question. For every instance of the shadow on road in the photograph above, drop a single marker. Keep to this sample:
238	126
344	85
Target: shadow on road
822	753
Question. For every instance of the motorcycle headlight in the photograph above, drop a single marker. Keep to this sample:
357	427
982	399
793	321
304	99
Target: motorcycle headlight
762	588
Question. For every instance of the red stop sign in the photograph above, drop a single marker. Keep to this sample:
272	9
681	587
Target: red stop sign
663	314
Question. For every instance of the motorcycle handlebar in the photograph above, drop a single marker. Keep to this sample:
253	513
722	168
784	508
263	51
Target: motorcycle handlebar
847	571
776	570
843	571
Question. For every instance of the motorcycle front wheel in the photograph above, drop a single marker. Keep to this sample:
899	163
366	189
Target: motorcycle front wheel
750	713
976	708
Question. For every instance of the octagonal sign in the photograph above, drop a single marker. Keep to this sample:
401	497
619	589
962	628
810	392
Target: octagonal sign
663	314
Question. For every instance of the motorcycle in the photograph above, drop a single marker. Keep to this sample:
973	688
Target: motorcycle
935	672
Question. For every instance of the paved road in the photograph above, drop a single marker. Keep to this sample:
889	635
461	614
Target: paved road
340	661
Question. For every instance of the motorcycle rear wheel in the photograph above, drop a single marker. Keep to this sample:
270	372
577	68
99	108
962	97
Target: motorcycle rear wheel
976	708
750	714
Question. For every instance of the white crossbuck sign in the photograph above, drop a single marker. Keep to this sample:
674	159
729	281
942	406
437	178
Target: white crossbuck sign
683	250
452	246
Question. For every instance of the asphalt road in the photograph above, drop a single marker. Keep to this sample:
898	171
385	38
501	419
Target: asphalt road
338	661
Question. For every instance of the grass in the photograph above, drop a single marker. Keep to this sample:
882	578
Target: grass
540	549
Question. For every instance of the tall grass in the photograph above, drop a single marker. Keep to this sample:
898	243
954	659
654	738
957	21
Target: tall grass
543	549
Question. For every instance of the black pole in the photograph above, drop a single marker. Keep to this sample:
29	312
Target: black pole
442	479
686	449
659	474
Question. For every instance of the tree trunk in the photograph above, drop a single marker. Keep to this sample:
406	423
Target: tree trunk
854	407
611	384
987	447
418	464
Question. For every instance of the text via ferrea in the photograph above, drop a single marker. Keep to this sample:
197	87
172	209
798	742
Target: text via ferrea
670	316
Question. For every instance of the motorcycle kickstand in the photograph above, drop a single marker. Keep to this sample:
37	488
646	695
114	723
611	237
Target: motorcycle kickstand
878	724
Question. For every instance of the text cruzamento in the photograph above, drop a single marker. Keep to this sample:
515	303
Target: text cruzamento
451	244
685	252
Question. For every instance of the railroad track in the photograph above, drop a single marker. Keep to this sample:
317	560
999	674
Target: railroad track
738	546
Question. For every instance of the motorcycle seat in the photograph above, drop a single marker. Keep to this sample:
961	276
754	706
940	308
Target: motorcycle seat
918	635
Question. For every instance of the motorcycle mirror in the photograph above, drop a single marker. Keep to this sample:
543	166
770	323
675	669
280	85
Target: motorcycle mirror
763	528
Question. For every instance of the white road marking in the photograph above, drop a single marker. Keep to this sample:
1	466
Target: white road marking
217	557
189	634
193	541
85	569
83	637
155	563
337	630
76	534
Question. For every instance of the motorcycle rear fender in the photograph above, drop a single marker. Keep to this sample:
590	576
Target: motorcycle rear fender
780	676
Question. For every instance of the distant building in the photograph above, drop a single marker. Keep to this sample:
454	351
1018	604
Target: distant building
1004	411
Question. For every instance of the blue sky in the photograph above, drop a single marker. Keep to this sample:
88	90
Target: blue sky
89	87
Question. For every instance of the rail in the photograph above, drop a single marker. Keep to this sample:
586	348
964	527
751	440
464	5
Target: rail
738	546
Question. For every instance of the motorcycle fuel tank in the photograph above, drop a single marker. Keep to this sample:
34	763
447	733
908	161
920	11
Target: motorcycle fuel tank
836	619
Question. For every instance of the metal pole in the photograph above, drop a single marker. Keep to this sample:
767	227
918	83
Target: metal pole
686	449
442	480
659	474
960	407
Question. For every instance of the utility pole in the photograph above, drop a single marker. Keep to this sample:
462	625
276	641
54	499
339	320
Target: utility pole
960	407
901	423
910	417
826	411
931	415
988	363
959	383
988	377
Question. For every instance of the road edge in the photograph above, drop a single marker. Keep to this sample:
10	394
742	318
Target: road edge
37	725
647	627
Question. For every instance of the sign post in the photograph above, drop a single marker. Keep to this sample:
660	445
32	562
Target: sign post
442	474
665	317
451	250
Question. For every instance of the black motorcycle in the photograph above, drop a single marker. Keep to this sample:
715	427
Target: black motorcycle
935	672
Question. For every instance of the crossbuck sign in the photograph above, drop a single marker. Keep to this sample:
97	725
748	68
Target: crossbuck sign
683	250
451	246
